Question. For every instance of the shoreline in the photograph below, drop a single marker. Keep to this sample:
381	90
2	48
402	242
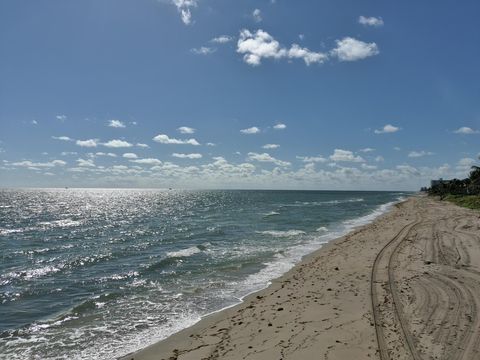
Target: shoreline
153	350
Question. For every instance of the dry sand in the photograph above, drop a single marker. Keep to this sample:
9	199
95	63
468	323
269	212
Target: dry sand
406	286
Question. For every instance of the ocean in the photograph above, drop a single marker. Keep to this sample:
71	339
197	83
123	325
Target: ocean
97	273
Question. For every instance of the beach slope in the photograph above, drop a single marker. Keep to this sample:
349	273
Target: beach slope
405	287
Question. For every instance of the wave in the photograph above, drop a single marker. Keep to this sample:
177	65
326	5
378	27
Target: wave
10	231
322	229
277	233
184	253
271	213
60	223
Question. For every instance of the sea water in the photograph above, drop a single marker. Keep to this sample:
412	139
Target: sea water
96	274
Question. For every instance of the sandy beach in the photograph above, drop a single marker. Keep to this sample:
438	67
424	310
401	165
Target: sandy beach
403	287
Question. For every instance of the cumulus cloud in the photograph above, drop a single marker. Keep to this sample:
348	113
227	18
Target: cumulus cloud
271	146
370	21
280	126
257	15
261	45
87	143
222	39
387	129
85	163
142	145
187	156
186	130
367	150
61	118
346	156
312	159
34	122
117	144
116	124
417	154
409	170
130	156
103	154
203	50
34	165
264	157
62	138
165	139
251	130
465	164
350	49
466	131
379	158
210	144
148	161
184	8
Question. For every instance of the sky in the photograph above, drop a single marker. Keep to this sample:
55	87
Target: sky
264	94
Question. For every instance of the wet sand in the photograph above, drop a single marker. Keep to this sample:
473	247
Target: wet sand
406	286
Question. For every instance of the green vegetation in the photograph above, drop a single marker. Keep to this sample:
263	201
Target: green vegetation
468	201
465	192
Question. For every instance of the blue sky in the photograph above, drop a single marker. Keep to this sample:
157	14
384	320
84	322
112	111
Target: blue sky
368	94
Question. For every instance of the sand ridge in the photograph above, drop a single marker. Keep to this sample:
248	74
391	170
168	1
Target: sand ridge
404	287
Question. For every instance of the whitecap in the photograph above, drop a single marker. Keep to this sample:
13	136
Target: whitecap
184	253
271	213
322	229
277	233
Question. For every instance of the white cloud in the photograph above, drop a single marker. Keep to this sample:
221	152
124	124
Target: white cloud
367	150
67	153
187	156
142	145
368	167
117	144
62	138
62	118
396	148
184	8
186	130
251	130
464	165
280	127
130	156
222	39
387	129
257	15
260	44
87	143
466	131
301	36
370	21
165	139
379	158
148	161
30	164
417	154
267	158
350	49
85	163
34	122
203	50
271	146
409	170
345	155
210	144
312	159
116	124
103	154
